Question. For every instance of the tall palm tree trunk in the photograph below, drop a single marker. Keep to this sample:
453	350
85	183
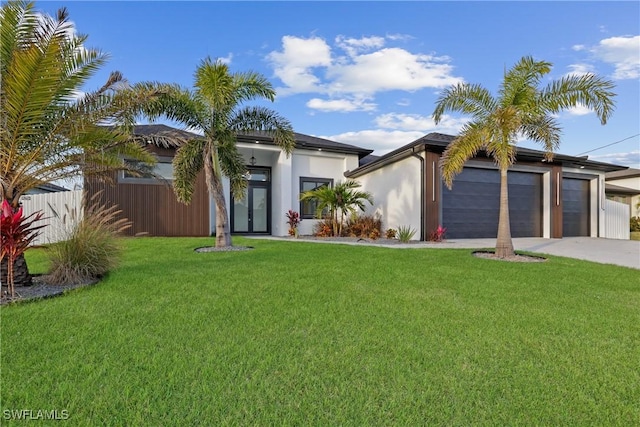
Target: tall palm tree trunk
216	190
223	235
504	245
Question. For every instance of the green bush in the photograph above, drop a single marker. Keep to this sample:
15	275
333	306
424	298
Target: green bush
91	248
634	223
405	233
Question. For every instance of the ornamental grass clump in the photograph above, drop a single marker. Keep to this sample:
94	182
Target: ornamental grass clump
405	233
92	246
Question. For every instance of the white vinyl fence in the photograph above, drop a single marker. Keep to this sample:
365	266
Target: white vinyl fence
617	218
60	209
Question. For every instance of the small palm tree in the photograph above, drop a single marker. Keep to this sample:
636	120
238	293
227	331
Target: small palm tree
48	132
343	198
521	108
214	108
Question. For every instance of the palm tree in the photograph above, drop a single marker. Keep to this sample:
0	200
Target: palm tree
214	108
521	108
48	130
343	198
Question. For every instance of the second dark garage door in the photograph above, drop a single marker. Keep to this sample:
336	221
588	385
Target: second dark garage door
575	207
471	209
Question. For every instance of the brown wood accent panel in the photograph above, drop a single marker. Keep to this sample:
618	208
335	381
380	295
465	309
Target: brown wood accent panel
556	202
432	193
154	209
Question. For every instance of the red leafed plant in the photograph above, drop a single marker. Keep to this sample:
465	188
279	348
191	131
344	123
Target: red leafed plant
17	232
293	219
438	234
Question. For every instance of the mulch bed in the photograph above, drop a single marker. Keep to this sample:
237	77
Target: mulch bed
40	289
516	258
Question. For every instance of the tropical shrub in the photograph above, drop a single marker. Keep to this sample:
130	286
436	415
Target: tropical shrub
293	219
405	233
634	223
363	226
339	201
323	228
92	245
437	235
16	233
390	233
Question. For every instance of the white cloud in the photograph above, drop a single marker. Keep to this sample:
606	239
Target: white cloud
227	59
391	69
578	47
396	130
355	46
308	65
580	69
579	110
623	53
381	141
399	37
631	158
404	102
340	105
295	63
416	122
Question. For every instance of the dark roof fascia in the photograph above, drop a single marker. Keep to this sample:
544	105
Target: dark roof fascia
437	142
389	158
617	189
155	134
308	142
51	188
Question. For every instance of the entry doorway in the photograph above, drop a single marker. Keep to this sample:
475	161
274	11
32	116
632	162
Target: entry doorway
251	214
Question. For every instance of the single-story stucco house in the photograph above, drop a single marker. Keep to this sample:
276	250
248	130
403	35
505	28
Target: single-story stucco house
547	199
275	181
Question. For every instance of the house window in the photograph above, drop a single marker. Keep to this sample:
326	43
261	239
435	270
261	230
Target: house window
161	171
308	207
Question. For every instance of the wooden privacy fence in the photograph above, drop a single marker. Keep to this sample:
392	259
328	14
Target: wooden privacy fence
617	216
67	204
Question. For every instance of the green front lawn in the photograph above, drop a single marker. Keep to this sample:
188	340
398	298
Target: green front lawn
314	334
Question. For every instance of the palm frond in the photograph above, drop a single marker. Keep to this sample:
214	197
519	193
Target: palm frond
251	119
187	163
467	98
544	130
589	90
519	86
473	137
232	163
251	85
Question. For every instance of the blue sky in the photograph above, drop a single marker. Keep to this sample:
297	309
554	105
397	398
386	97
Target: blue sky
369	73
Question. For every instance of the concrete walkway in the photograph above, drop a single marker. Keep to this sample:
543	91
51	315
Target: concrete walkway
605	251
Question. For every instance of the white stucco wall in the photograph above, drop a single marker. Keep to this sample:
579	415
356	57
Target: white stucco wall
396	193
285	180
312	164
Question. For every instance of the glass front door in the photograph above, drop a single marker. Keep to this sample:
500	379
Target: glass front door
250	214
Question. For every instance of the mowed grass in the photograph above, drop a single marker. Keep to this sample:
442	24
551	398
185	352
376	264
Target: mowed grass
296	333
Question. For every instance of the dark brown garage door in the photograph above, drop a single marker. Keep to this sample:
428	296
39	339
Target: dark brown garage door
575	207
471	209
